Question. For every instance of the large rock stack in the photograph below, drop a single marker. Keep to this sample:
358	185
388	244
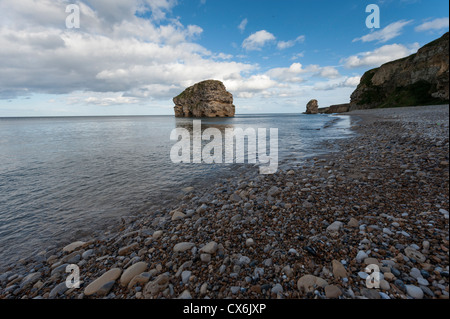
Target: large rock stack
312	107
205	99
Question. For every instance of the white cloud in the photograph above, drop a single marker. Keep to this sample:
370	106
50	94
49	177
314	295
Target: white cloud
352	81
243	25
117	53
341	82
257	40
247	87
290	74
298	56
329	72
380	56
109	100
390	32
436	24
288	44
117	58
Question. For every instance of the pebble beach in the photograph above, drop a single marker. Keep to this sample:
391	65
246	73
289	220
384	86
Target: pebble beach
307	232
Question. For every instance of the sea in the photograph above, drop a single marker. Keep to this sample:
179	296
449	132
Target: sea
66	178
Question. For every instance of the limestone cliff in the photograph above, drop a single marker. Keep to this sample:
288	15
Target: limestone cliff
420	79
205	99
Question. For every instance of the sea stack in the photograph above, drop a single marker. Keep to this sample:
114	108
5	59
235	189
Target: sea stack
312	107
205	99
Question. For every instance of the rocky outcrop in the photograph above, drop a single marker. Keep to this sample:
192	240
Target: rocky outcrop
312	107
420	79
339	108
205	99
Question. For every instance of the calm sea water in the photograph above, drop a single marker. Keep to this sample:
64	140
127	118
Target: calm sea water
64	178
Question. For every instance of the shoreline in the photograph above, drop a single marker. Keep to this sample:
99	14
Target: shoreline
306	232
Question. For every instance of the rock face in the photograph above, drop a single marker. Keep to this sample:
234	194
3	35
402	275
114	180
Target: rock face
339	108
205	99
312	107
420	79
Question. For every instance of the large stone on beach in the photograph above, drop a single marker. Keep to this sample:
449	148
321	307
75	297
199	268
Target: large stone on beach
177	215
353	223
209	248
132	271
312	107
339	270
334	228
182	247
309	283
127	249
333	292
30	280
74	246
414	291
97	284
156	286
414	254
205	99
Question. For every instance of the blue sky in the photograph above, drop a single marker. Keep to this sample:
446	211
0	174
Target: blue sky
130	57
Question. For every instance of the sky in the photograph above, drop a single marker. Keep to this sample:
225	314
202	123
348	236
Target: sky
131	57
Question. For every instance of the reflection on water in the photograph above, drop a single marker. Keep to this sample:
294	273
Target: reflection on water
188	124
61	178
